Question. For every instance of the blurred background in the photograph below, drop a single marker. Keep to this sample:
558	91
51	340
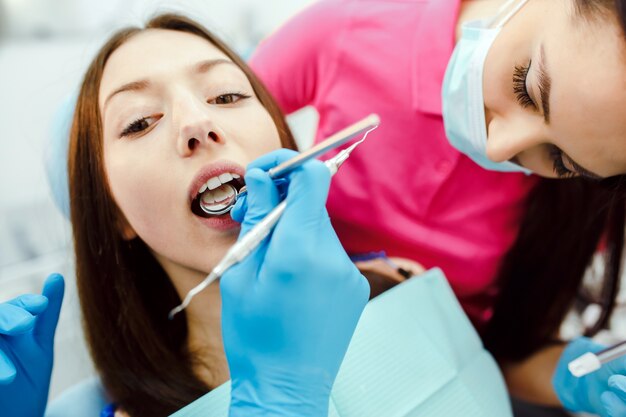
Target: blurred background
45	47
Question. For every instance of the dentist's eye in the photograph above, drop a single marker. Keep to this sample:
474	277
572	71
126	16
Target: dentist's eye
558	165
137	126
520	74
228	98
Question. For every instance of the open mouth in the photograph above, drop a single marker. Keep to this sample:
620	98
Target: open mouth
218	195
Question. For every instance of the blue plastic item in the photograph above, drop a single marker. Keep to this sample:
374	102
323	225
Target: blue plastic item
587	394
290	308
414	354
27	326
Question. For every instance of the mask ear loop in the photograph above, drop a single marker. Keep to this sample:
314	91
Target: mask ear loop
510	14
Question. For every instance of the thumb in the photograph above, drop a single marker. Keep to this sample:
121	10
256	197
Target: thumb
241	206
46	325
306	201
262	197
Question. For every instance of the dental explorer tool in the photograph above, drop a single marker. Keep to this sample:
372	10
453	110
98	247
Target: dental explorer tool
367	124
591	362
243	247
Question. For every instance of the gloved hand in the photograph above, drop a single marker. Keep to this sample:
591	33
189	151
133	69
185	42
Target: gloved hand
289	310
27	325
591	393
614	401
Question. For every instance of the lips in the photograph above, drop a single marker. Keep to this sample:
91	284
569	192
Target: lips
208	194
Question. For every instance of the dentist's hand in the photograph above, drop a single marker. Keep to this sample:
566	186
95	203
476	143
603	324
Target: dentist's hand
27	325
289	310
614	401
602	392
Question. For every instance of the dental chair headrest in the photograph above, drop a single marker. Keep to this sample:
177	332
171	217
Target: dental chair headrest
56	155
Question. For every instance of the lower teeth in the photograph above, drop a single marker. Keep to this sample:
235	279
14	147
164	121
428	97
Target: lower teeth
218	201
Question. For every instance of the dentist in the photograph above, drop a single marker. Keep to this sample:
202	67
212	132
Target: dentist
474	96
497	116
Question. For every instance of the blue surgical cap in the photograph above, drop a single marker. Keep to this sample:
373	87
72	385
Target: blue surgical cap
57	154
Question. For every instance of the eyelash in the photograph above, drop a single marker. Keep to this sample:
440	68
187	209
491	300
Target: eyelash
135	127
240	96
521	92
141	124
557	163
519	85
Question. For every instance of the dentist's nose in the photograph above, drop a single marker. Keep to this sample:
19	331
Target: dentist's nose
197	129
506	140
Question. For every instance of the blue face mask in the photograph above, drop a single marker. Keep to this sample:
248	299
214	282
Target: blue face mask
463	103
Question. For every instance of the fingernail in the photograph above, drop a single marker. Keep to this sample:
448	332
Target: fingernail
618	382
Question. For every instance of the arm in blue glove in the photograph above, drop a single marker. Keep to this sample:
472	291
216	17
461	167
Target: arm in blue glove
289	310
602	392
27	326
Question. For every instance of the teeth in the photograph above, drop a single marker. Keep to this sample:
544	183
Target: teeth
225	177
216	182
213	183
216	200
208	197
219	195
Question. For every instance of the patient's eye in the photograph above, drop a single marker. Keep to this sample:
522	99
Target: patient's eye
138	126
229	98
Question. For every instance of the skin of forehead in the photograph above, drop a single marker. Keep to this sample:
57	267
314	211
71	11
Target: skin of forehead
144	51
588	74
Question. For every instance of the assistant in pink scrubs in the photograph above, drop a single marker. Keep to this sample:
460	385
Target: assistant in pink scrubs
406	190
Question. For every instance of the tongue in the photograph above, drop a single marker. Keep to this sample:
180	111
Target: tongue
214	201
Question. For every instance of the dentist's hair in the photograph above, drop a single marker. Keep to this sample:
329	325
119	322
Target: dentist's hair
125	295
567	223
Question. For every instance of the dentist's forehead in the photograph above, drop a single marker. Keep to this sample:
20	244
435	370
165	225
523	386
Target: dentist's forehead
156	54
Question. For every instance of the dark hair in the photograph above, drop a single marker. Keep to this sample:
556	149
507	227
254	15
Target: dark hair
541	275
566	223
125	295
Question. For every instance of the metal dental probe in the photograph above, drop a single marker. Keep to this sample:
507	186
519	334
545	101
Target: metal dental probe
365	125
243	247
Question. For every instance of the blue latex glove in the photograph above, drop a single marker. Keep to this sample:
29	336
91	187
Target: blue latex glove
289	310
615	400
27	325
591	393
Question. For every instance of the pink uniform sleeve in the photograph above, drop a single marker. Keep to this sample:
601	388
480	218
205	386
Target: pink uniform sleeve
293	61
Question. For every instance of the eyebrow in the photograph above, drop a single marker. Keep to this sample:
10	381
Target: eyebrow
198	68
544	85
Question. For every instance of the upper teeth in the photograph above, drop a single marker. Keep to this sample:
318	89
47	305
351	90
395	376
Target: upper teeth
215	182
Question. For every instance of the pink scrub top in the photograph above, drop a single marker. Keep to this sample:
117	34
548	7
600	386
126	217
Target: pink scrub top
405	190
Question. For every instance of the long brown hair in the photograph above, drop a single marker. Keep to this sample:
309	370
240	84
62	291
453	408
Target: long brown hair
566	223
125	295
